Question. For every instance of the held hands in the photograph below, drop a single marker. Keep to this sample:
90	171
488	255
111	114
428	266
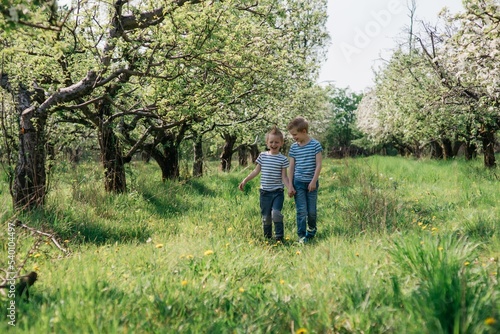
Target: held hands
291	192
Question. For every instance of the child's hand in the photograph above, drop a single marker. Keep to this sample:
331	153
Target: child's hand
311	186
291	192
241	186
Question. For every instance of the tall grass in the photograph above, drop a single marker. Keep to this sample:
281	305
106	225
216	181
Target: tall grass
449	292
403	246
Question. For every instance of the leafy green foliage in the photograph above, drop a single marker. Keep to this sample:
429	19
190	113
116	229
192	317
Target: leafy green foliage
341	130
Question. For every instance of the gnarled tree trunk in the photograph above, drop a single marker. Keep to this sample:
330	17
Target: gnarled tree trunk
227	152
111	155
28	184
165	151
198	156
243	155
488	140
436	150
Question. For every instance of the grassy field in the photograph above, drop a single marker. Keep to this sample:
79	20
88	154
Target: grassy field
403	246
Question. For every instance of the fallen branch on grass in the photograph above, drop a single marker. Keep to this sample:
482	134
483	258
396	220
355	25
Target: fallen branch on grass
48	235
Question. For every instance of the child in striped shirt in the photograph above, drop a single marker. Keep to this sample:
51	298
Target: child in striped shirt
273	179
305	166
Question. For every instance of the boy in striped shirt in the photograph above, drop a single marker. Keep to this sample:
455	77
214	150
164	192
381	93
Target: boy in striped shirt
305	166
274	178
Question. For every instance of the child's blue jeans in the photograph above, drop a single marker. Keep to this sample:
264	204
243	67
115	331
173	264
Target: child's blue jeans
271	204
305	204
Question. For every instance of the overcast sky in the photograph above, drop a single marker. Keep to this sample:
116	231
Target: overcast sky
363	31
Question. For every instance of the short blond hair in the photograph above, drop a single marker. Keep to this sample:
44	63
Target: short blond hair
299	123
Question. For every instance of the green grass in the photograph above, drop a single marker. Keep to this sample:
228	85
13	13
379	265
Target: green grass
403	246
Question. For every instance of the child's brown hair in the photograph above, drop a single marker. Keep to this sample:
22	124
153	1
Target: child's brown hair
298	123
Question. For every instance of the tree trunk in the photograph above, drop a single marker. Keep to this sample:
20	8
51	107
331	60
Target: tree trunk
243	156
470	150
29	182
111	155
436	150
227	152
488	140
165	151
254	152
457	144
166	169
198	156
171	166
447	148
29	186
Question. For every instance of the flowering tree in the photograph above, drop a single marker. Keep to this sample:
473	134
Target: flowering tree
147	74
441	91
472	57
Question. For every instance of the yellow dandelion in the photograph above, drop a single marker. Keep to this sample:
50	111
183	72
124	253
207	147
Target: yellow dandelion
241	290
37	255
287	238
434	229
208	252
36	268
490	321
357	254
421	242
297	252
440	248
189	256
229	229
424	227
159	245
420	223
301	331
66	241
466	263
184	283
282	281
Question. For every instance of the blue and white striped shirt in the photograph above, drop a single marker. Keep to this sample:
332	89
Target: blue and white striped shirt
271	167
305	159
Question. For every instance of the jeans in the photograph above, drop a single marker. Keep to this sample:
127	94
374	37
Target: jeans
271	204
305	204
